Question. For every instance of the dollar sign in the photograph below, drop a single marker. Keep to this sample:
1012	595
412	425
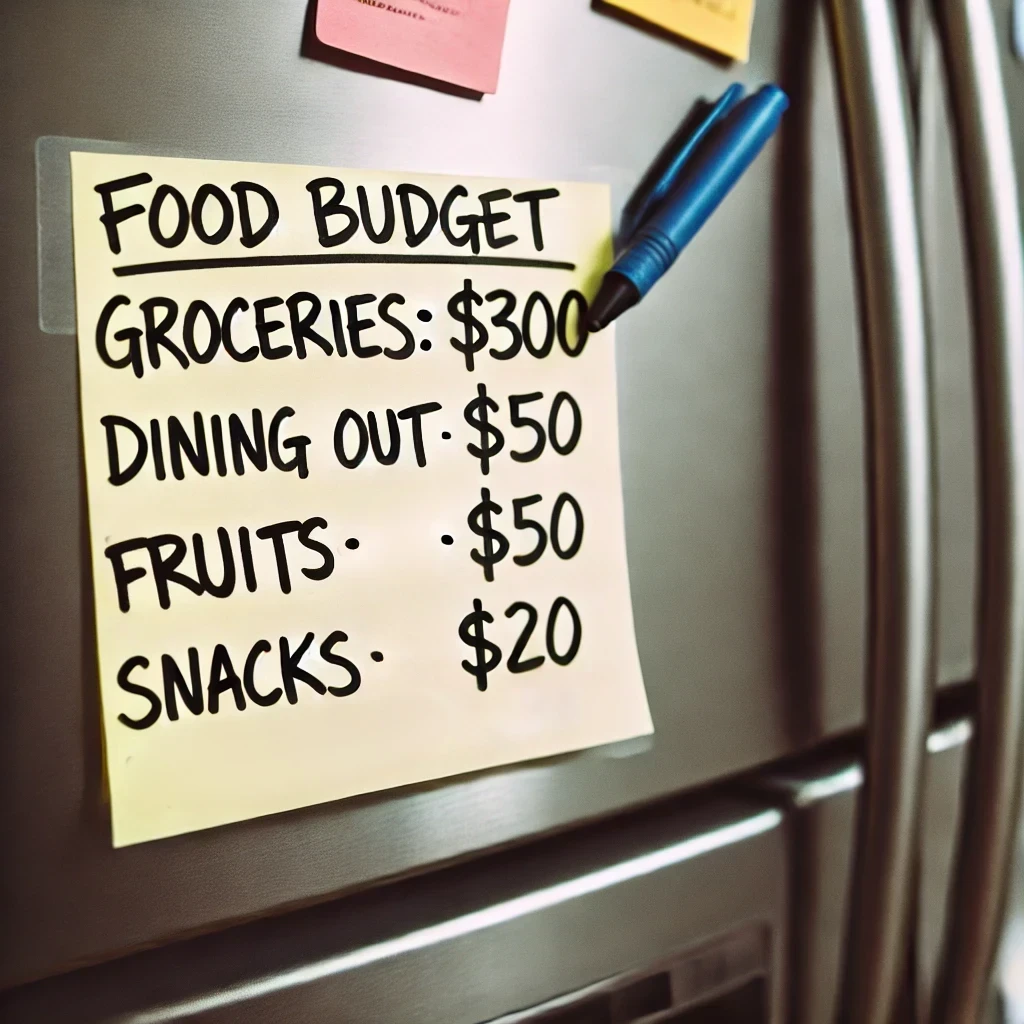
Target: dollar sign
475	415
460	306
495	545
488	655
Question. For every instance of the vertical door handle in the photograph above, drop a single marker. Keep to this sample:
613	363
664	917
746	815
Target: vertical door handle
991	794
901	619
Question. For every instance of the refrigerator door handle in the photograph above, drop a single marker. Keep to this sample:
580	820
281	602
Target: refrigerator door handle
901	619
992	790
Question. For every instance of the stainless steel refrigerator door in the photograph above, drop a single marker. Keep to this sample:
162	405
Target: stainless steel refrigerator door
1009	979
741	425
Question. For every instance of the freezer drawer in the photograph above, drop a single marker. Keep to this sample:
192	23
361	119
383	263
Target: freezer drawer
741	432
678	907
941	817
822	804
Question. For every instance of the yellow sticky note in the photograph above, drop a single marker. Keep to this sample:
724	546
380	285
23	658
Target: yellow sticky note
721	25
353	479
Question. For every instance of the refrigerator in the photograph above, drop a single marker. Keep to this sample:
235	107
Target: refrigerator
819	415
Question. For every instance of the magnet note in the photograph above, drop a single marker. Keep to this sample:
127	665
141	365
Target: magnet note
457	41
353	481
720	25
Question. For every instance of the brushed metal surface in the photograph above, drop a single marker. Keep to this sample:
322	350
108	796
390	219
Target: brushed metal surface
1009	973
1013	72
993	785
742	440
1010	965
902	621
469	944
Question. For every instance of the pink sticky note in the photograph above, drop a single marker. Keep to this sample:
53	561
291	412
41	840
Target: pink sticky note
457	41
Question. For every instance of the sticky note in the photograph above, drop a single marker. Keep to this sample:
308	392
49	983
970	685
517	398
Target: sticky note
720	25
457	41
353	481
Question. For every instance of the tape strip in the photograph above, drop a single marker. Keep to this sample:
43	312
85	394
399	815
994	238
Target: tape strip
53	214
53	223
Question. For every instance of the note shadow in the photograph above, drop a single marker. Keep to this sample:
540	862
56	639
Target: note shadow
659	166
95	797
314	49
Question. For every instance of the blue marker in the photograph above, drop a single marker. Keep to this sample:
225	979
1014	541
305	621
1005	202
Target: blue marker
710	163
